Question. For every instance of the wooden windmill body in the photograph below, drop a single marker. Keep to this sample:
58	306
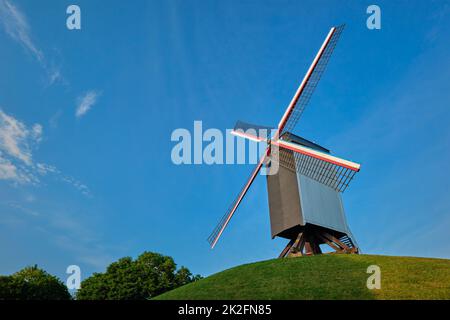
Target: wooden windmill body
305	211
304	181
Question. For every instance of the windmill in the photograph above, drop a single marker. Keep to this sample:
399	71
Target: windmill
305	189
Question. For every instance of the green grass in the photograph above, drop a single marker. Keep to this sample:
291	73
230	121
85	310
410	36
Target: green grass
324	277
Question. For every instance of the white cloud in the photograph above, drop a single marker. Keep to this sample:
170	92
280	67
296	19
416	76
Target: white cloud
16	26
16	143
28	211
15	138
16	160
15	173
45	169
77	185
37	132
54	75
7	170
86	102
53	121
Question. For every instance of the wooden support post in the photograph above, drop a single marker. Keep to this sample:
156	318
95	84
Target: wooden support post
338	242
308	242
301	245
295	246
286	249
308	247
328	242
316	248
315	244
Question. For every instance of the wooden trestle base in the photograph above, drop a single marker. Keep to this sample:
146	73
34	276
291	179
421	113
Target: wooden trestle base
307	243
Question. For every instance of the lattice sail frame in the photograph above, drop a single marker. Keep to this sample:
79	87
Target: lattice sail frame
221	225
332	175
311	81
225	218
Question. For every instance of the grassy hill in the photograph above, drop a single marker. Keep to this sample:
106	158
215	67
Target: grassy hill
324	277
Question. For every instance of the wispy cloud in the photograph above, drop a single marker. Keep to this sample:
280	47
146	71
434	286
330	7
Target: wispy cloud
36	132
16	144
8	171
45	169
54	119
86	102
68	230
54	76
17	141
26	210
16	25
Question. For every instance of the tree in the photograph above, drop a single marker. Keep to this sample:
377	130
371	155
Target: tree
32	283
151	274
184	276
9	289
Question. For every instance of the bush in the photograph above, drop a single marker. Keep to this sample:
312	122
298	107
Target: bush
149	275
32	283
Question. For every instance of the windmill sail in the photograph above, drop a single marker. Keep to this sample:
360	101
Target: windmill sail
310	81
218	230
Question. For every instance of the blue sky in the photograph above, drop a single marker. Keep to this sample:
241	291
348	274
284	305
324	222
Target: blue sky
92	186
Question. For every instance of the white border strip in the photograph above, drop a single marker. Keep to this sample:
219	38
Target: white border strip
318	155
242	134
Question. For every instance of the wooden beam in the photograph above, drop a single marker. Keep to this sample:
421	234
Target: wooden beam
308	247
328	242
337	241
308	242
316	248
301	245
313	242
286	249
296	244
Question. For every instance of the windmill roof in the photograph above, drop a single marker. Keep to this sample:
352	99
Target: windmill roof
290	137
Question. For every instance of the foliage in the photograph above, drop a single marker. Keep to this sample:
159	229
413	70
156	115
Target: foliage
324	277
32	283
149	275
